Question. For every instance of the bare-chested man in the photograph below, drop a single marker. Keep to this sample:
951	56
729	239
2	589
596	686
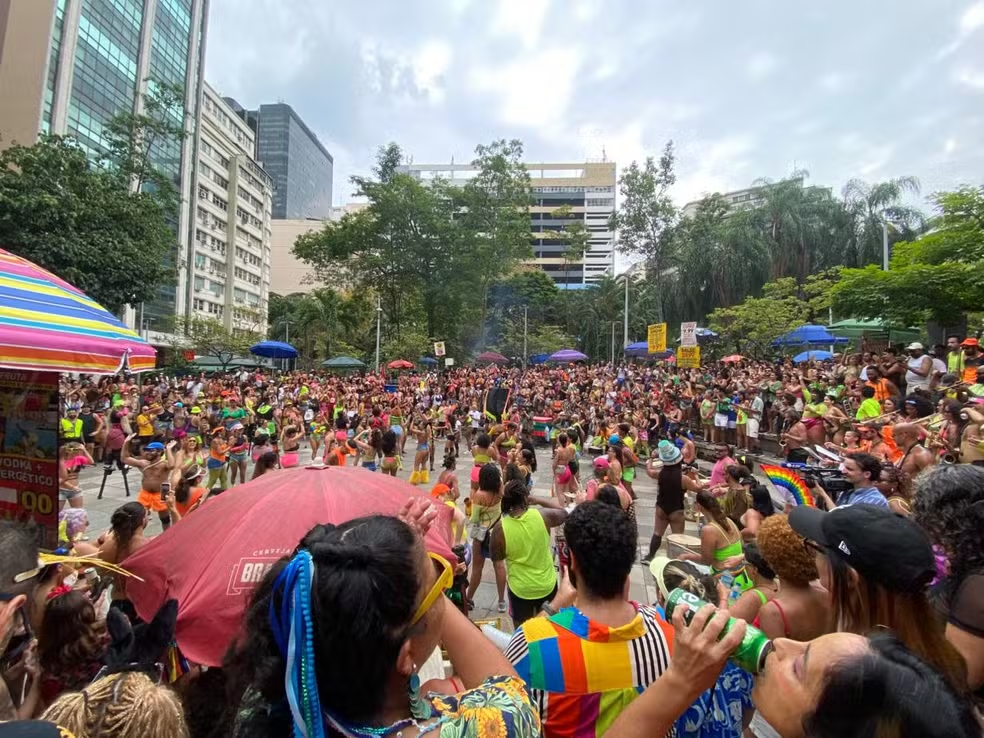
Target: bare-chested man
972	439
155	469
915	456
795	437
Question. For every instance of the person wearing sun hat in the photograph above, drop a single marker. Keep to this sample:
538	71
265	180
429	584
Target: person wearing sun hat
669	499
876	565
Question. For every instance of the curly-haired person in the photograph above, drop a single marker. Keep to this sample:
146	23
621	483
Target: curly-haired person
595	627
949	505
800	610
71	644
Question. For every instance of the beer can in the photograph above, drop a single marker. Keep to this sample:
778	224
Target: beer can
754	647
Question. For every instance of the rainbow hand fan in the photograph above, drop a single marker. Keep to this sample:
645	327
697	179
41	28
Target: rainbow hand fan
790	481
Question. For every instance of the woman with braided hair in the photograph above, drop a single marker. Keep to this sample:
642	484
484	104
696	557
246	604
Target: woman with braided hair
125	705
335	634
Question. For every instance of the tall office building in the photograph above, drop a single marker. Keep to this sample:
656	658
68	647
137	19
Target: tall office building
229	256
298	162
68	66
563	194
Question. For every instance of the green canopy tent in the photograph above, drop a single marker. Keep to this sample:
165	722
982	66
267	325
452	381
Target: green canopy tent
212	363
343	363
874	330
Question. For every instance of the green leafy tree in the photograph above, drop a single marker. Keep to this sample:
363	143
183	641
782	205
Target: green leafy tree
541	339
137	140
493	212
872	205
645	220
82	223
935	277
209	337
719	262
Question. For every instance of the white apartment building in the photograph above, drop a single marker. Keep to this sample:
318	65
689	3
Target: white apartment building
229	259
583	192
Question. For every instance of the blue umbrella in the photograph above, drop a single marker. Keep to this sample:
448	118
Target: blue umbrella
427	360
812	356
809	335
539	358
641	349
274	350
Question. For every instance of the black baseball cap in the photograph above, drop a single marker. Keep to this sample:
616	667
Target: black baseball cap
884	547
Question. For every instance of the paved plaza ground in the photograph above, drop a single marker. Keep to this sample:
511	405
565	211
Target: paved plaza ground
486	600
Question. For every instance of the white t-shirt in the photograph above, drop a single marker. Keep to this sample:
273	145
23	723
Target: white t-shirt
913	380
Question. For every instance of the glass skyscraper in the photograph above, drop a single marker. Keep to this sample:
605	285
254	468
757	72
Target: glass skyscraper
102	56
298	163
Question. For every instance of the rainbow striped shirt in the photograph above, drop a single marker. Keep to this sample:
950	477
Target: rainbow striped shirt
582	674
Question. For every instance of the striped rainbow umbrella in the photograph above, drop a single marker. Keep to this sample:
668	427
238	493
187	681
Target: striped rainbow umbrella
46	324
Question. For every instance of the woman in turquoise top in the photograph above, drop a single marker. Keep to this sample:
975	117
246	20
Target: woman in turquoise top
522	539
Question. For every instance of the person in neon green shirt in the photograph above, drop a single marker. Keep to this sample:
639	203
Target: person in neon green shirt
870	407
521	538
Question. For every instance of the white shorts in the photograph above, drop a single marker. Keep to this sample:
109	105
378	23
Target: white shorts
752	428
720	420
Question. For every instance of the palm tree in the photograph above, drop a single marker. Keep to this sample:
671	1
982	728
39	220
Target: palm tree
871	207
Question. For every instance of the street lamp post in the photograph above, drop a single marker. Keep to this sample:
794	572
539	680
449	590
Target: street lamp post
625	334
885	245
525	328
379	323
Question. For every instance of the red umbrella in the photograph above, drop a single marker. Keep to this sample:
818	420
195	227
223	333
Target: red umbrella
211	561
400	364
732	359
491	357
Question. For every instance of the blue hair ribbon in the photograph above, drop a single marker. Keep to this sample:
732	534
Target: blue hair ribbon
293	631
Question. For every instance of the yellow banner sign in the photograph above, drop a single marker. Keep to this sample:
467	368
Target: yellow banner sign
688	357
656	338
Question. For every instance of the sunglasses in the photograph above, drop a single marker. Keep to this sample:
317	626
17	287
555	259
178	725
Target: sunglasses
444	581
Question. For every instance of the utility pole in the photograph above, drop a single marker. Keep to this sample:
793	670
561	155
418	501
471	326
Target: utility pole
379	324
625	334
885	245
613	341
525	329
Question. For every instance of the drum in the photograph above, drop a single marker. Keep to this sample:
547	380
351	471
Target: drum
681	543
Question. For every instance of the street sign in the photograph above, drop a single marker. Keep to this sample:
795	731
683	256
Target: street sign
656	338
688	334
688	357
439	348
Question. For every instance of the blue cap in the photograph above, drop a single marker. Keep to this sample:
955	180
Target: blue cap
155	446
613	440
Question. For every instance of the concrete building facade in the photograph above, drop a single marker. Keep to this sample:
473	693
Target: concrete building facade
300	165
229	256
68	66
288	273
563	194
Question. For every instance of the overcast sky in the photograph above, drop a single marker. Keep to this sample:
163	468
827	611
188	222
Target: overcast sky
866	88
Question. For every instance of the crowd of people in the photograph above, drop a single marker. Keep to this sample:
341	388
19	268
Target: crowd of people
871	601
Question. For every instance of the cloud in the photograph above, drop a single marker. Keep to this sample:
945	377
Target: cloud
972	78
521	18
534	91
761	65
745	90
